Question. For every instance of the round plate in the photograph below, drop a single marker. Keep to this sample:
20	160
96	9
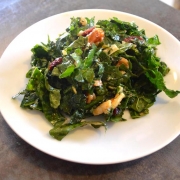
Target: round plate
123	141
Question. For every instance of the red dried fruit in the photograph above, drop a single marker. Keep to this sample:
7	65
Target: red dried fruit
116	111
55	63
87	31
132	38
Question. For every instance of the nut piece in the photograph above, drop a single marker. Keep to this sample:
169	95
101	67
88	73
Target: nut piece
106	106
90	97
83	21
116	100
114	48
123	61
102	108
98	83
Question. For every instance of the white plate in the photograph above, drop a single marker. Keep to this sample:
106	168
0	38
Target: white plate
123	141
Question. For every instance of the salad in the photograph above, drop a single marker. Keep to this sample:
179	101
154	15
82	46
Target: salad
94	69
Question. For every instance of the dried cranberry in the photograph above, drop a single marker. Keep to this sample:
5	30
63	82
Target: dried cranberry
116	111
87	31
55	63
132	38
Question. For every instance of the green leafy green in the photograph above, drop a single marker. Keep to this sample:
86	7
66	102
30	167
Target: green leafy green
59	132
67	72
157	78
89	59
154	41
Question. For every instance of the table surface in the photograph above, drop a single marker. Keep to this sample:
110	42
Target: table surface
19	160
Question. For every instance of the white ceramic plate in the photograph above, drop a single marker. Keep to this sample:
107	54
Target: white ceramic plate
123	141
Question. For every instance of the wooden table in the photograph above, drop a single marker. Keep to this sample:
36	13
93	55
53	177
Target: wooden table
19	160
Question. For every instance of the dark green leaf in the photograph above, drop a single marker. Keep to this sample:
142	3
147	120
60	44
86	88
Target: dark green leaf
154	41
89	59
157	78
67	72
59	132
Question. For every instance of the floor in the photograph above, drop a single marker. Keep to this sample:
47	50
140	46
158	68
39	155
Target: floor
173	3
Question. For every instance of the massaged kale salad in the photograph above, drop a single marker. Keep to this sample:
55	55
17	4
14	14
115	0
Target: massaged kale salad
94	69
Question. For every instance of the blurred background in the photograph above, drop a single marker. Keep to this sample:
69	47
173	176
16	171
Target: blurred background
173	3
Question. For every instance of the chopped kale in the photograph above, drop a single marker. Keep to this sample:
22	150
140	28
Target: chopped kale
95	69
